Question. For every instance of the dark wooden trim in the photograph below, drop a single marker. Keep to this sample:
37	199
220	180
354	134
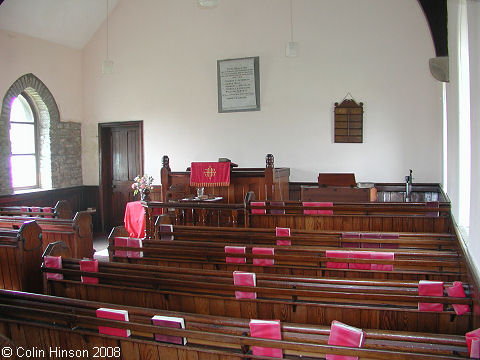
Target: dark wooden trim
437	17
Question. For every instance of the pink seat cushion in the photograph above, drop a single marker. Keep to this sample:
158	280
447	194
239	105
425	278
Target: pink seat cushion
430	288
382	256
359	255
258	211
317	211
337	254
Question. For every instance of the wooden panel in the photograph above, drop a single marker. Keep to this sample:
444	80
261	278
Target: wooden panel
336	179
20	259
348	122
335	194
80	198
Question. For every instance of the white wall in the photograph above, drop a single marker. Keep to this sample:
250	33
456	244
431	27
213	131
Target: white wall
473	8
470	236
165	54
58	67
453	107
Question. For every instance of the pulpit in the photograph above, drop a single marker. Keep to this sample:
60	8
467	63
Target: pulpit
267	183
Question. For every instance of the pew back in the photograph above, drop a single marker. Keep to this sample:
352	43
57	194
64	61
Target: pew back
61	210
77	233
387	217
386	305
42	322
20	258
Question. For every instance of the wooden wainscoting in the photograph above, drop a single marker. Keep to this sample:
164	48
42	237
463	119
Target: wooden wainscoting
80	198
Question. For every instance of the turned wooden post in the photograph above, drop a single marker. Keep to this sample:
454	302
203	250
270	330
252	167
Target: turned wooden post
165	177
235	218
201	217
269	190
149	228
178	217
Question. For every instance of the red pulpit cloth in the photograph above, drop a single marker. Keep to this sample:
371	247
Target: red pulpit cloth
204	174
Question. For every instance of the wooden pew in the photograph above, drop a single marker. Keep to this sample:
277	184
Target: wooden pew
296	262
388	217
199	247
45	322
383	305
267	236
20	258
62	210
76	232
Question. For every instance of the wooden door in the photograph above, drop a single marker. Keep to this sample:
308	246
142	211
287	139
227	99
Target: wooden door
121	159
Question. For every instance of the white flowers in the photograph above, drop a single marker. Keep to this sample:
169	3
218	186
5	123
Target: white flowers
142	184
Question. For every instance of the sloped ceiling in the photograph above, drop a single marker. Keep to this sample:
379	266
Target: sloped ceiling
67	22
73	22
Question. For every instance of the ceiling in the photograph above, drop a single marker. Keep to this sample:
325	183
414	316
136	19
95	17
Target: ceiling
72	23
67	22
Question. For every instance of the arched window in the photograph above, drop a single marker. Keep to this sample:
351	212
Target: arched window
23	143
44	152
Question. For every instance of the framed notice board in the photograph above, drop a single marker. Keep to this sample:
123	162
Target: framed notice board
349	122
238	84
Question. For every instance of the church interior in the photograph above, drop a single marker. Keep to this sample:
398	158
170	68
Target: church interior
240	179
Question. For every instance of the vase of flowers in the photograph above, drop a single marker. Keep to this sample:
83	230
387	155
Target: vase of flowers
143	185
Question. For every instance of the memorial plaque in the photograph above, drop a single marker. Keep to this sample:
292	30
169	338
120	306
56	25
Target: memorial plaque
238	84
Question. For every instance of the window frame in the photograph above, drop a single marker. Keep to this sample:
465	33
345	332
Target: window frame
35	115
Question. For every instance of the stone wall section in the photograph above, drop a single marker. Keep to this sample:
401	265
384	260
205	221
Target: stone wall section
66	146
